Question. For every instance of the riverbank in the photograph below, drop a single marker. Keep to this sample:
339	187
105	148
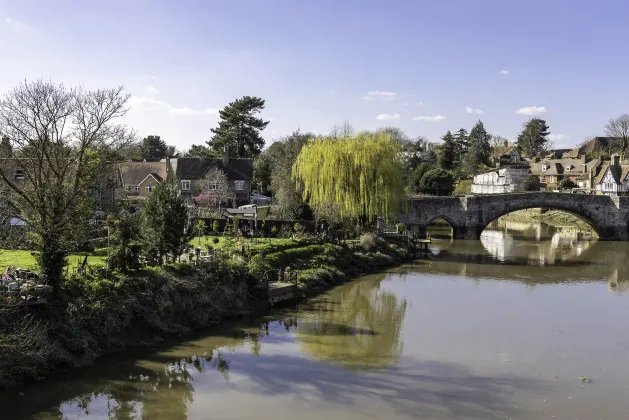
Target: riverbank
96	315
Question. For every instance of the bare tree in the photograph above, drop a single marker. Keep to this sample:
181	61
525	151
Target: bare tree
498	141
618	129
343	131
216	189
57	138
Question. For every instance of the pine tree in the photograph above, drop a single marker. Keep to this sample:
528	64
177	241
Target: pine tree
533	138
479	149
461	144
447	154
153	149
238	132
164	224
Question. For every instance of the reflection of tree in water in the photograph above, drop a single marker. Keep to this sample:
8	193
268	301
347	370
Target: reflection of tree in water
358	326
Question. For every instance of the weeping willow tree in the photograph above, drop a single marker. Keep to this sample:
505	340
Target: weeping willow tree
361	176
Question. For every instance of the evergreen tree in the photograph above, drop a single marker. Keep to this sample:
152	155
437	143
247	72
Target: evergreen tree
533	138
238	132
201	151
153	149
164	224
479	149
447	154
437	182
461	144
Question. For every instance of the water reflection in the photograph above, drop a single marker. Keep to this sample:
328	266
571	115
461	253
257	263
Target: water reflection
359	329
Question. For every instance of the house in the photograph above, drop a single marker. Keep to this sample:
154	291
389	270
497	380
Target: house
501	180
139	179
189	173
613	177
260	200
505	154
552	171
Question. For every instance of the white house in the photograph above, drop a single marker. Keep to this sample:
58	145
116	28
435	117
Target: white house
500	180
613	177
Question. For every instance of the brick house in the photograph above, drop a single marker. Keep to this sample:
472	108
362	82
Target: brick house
139	179
552	171
189	173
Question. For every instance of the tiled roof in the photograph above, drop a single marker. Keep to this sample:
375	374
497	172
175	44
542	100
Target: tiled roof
560	167
133	173
195	168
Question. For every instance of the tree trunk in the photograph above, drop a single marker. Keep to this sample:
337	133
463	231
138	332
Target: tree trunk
52	261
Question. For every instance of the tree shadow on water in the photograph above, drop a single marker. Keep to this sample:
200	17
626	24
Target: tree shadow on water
427	388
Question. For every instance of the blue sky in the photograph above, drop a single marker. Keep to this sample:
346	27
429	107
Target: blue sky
424	66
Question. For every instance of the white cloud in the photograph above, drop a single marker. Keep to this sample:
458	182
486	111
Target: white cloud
152	89
531	110
376	94
16	25
142	101
471	110
429	118
383	117
558	137
505	72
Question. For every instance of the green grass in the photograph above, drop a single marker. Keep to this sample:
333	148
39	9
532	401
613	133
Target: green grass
259	244
24	259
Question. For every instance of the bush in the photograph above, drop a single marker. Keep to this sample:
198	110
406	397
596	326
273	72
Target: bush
216	226
417	174
437	182
371	242
215	240
567	184
531	183
274	231
463	187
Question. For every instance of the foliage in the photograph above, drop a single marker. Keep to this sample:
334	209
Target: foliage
124	231
533	138
216	190
461	144
280	158
463	187
371	242
418	174
447	152
567	184
437	182
165	222
479	149
57	137
153	149
362	175
531	183
618	129
262	174
200	227
238	131
216	226
201	151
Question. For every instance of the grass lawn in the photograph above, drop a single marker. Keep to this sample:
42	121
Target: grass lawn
24	259
258	244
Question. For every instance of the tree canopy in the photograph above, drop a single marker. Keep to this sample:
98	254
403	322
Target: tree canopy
437	182
153	149
238	131
447	153
618	129
362	175
533	138
479	149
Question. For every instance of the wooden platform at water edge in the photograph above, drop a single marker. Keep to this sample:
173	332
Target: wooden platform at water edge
280	291
409	239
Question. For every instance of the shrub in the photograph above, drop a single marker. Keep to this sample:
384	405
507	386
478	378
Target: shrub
567	183
436	182
418	173
274	231
215	240
216	226
299	228
371	242
463	187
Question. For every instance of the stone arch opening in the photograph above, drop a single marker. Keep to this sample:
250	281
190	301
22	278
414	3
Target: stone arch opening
587	225
441	227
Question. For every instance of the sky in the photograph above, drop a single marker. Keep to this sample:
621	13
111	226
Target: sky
424	66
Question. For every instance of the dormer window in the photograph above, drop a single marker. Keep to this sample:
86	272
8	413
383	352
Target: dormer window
568	167
544	167
18	174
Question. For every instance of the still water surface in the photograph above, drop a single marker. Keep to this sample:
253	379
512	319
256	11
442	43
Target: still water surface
501	328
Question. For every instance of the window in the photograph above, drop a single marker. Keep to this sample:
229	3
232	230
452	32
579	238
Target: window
544	167
240	185
149	188
568	167
185	185
127	188
19	174
137	188
551	179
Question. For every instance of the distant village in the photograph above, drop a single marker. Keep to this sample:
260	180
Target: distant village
591	168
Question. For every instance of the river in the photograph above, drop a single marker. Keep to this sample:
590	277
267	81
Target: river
508	327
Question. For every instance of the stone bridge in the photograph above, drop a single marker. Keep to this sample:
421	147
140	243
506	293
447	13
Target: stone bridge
468	216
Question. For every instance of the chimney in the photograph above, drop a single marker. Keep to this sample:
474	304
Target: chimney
167	164
506	143
615	160
225	156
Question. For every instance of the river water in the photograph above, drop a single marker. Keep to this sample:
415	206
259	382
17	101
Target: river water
501	328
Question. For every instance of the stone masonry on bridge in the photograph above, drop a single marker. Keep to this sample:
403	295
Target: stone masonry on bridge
468	216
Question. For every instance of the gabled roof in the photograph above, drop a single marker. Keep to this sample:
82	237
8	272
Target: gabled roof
194	168
619	173
133	173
